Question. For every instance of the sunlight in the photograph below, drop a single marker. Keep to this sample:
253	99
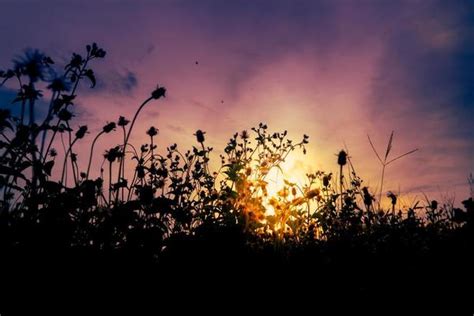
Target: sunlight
290	172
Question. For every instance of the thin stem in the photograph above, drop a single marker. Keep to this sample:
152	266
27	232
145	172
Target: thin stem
381	184
71	143
91	153
127	137
341	177
110	182
72	162
46	122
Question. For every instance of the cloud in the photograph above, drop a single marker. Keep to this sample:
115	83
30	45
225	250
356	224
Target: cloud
117	82
336	70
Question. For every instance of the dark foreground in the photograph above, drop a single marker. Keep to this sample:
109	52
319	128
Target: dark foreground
398	270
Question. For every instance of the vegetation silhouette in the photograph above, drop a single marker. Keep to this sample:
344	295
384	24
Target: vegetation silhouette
174	223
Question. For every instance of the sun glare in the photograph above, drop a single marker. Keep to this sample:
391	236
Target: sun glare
277	179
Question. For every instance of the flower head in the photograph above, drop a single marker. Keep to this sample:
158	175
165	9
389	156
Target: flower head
65	115
59	84
122	121
113	153
81	132
392	196
342	158
33	64
158	92
109	127
152	131
200	136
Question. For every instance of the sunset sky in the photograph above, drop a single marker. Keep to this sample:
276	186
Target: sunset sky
335	70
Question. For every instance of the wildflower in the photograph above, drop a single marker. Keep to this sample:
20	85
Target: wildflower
59	84
200	136
112	154
312	193
95	51
109	127
152	131
122	121
64	115
158	92
53	152
81	132
33	64
342	158
326	180
393	197
76	61
368	198
244	135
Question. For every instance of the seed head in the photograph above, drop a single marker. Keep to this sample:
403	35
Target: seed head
342	158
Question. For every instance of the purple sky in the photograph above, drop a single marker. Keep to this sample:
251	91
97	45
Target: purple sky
335	70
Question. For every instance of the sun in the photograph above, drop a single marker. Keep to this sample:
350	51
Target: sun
279	178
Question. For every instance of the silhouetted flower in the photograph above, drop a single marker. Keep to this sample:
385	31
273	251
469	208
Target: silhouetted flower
59	84
64	115
112	154
109	127
76	61
95	51
368	198
244	135
158	92
152	131
393	197
122	121
342	158
53	152
32	64
81	132
326	180
200	136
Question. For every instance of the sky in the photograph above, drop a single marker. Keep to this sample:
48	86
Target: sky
335	70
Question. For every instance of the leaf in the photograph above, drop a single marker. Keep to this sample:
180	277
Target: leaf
11	172
90	75
389	146
48	166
